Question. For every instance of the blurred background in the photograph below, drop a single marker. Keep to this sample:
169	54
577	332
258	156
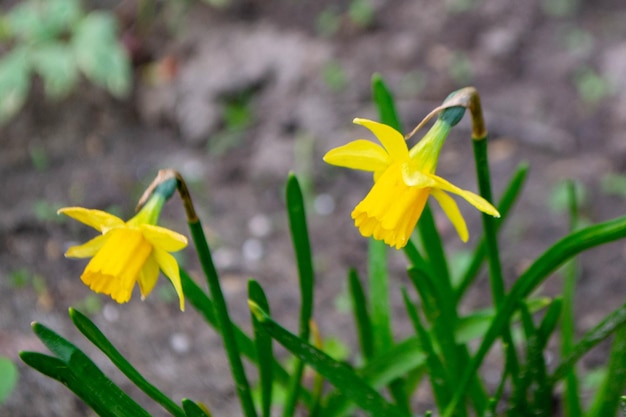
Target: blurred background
96	96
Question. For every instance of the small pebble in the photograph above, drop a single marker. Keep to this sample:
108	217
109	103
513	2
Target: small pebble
224	258
259	225
179	342
324	204
252	250
110	313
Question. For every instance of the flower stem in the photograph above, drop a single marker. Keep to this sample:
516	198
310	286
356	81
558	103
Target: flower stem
219	303
479	144
225	324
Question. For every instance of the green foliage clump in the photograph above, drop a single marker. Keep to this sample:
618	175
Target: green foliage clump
57	40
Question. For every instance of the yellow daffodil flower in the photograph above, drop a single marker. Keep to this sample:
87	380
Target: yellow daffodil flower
403	180
128	252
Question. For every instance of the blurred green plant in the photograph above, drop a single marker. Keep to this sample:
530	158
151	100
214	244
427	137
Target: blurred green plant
559	198
57	40
460	68
460	6
560	8
361	13
334	76
237	117
45	211
8	378
614	184
20	278
592	87
328	22
576	40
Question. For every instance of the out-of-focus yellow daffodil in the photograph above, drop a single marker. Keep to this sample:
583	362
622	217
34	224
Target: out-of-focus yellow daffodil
403	180
128	252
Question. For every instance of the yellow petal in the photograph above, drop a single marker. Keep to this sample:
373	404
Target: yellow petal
98	219
452	211
89	249
115	268
474	199
169	266
148	276
163	238
360	154
391	139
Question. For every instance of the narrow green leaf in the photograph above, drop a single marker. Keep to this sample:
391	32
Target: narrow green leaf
226	326
572	402
528	281
404	357
377	266
361	315
193	410
75	370
203	304
8	378
302	248
496	278
337	373
509	197
549	322
428	292
433	246
385	103
439	379
379	295
475	324
263	347
610	324
57	344
95	336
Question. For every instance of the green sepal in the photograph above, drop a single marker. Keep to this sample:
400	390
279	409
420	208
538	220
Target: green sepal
452	115
167	188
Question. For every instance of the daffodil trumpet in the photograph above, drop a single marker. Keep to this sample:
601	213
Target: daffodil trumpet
404	179
129	252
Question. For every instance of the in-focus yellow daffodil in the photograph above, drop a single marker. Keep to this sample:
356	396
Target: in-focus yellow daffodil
128	252
403	180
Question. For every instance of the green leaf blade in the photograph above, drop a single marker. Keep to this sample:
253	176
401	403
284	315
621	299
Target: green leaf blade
335	372
95	336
